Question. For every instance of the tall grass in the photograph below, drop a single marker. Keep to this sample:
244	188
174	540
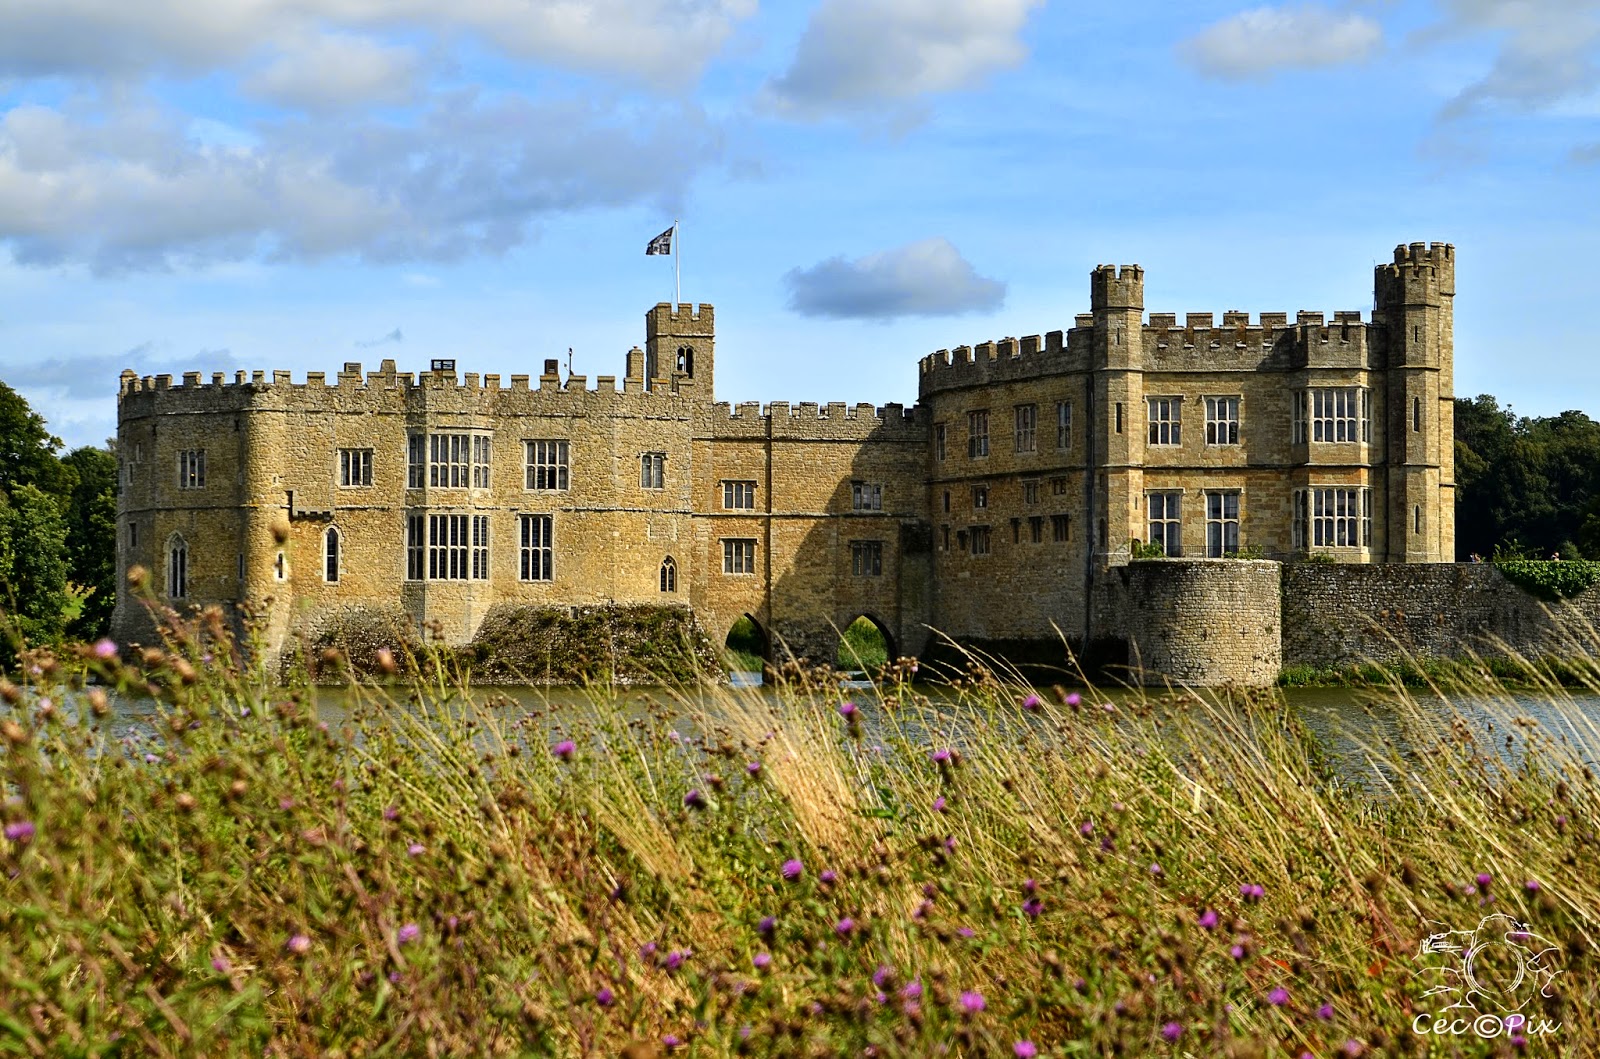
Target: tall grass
435	873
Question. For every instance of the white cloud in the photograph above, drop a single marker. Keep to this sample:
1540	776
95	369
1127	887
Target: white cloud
124	187
1258	42
926	278
94	375
856	53
1549	51
664	42
337	70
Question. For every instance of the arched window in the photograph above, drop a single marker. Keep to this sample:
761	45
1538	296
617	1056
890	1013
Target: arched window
330	555
177	567
669	575
686	360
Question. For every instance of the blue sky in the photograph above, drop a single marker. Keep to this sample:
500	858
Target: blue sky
298	183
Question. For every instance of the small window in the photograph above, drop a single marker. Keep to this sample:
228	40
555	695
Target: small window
1119	417
1166	421
1016	531
669	575
1416	518
240	558
355	468
866	558
978	434
1058	487
330	555
416	461
480	547
1416	414
653	470
1036	528
192	469
480	461
416	549
449	460
280	567
1165	521
980	540
1222	420
177	567
866	496
536	554
1060	528
1027	427
686	361
947	500
946	530
738	556
939	441
1222	524
545	465
133	535
1030	491
739	496
980	497
1063	424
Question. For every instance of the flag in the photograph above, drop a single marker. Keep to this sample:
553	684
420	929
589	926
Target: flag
661	244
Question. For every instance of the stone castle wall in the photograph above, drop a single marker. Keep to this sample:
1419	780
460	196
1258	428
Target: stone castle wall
1203	622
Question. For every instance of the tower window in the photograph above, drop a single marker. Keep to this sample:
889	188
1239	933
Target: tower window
330	556
177	567
686	360
669	575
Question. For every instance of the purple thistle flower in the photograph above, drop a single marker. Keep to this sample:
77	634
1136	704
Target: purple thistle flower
1155	870
1532	886
1237	952
942	756
105	649
1172	1031
881	997
1484	879
675	959
844	927
767	927
1074	699
1024	1050
151	759
298	944
285	804
972	1002
564	749
1086	828
939	804
828	877
1208	919
753	768
21	832
912	990
1030	885
1278	997
1033	906
391	812
966	932
950	843
671	1041
221	965
849	711
416	849
792	869
647	950
1325	1012
761	960
882	975
409	932
1252	891
1032	703
694	800
605	997
1353	1047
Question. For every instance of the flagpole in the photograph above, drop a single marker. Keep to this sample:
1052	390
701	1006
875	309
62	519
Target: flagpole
677	273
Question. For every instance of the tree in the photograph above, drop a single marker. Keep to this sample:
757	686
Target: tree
91	522
27	448
33	566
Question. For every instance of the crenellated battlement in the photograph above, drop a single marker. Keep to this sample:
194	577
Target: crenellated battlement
804	420
1421	274
1112	288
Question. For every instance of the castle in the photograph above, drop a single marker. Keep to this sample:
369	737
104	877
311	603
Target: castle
1004	506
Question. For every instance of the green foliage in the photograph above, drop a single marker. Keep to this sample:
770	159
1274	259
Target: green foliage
862	647
27	448
33	566
216	873
1550	579
1139	549
744	646
91	520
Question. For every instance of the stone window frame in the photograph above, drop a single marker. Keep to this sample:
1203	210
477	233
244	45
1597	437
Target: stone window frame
416	546
355	468
668	577
1320	414
652	470
939	448
866	496
982	540
536	548
1332	517
1222	419
480	548
1036	529
546	465
1219	521
192	468
738	494
739	556
978	434
1060	528
177	567
133	534
1164	419
1063	425
458	546
332	540
1164	519
1030	490
1058	485
866	558
980	497
1026	428
416	459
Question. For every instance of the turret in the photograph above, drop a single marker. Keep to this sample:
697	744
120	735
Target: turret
1112	289
680	345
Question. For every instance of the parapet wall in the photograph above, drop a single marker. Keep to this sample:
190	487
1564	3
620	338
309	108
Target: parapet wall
1341	616
809	420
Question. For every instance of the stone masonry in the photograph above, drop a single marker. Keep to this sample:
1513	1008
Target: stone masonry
999	507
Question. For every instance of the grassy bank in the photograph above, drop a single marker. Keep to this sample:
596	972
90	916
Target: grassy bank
1461	674
434	874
